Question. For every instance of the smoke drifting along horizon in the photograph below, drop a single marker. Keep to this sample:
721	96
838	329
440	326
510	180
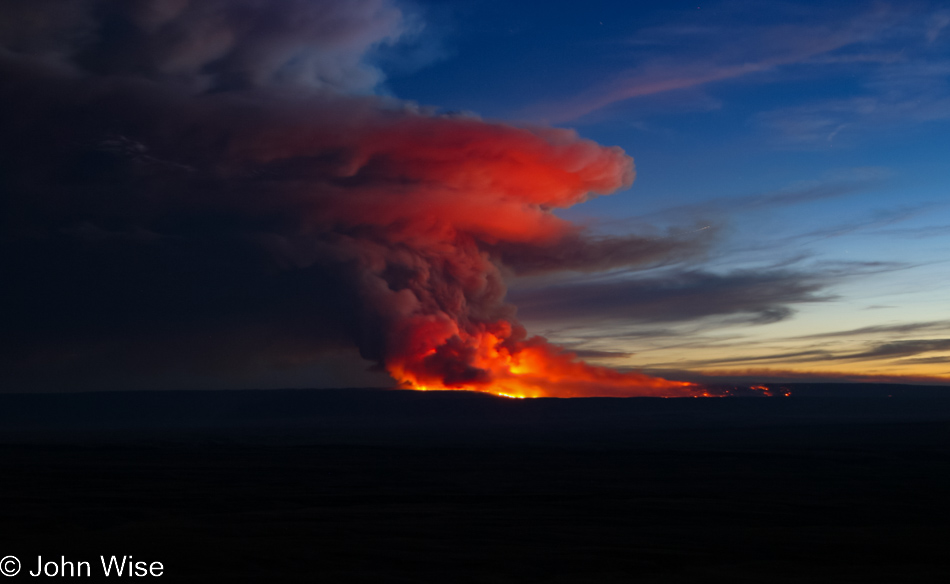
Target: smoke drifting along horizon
209	183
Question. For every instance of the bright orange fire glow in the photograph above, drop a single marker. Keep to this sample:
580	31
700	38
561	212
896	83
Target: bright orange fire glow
432	213
498	363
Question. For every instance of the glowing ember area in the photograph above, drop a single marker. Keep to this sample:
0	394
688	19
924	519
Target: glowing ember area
503	366
468	203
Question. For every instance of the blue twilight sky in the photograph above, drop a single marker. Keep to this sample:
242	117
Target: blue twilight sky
805	143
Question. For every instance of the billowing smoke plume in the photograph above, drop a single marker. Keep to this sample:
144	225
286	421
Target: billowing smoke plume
211	180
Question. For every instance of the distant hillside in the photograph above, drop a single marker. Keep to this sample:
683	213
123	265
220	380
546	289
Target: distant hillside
373	416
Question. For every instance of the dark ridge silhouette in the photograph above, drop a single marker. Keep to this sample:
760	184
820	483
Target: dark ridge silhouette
376	486
450	415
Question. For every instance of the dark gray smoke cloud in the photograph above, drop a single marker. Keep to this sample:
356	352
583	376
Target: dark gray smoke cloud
210	45
208	187
745	296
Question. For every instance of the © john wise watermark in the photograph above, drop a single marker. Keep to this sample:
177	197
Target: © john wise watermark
106	566
10	566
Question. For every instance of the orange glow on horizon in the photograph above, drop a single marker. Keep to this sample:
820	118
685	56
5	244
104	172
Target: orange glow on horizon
497	362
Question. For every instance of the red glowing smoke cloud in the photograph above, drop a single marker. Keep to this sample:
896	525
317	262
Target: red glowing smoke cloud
430	198
206	175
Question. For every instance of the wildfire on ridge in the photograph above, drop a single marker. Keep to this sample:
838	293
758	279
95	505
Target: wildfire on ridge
500	364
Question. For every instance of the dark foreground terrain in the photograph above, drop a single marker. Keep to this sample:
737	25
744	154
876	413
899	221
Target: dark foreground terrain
369	486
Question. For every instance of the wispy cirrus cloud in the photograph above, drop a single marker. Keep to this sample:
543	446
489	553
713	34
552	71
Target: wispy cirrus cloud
838	121
750	50
833	185
889	350
892	329
678	296
896	352
781	375
905	84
